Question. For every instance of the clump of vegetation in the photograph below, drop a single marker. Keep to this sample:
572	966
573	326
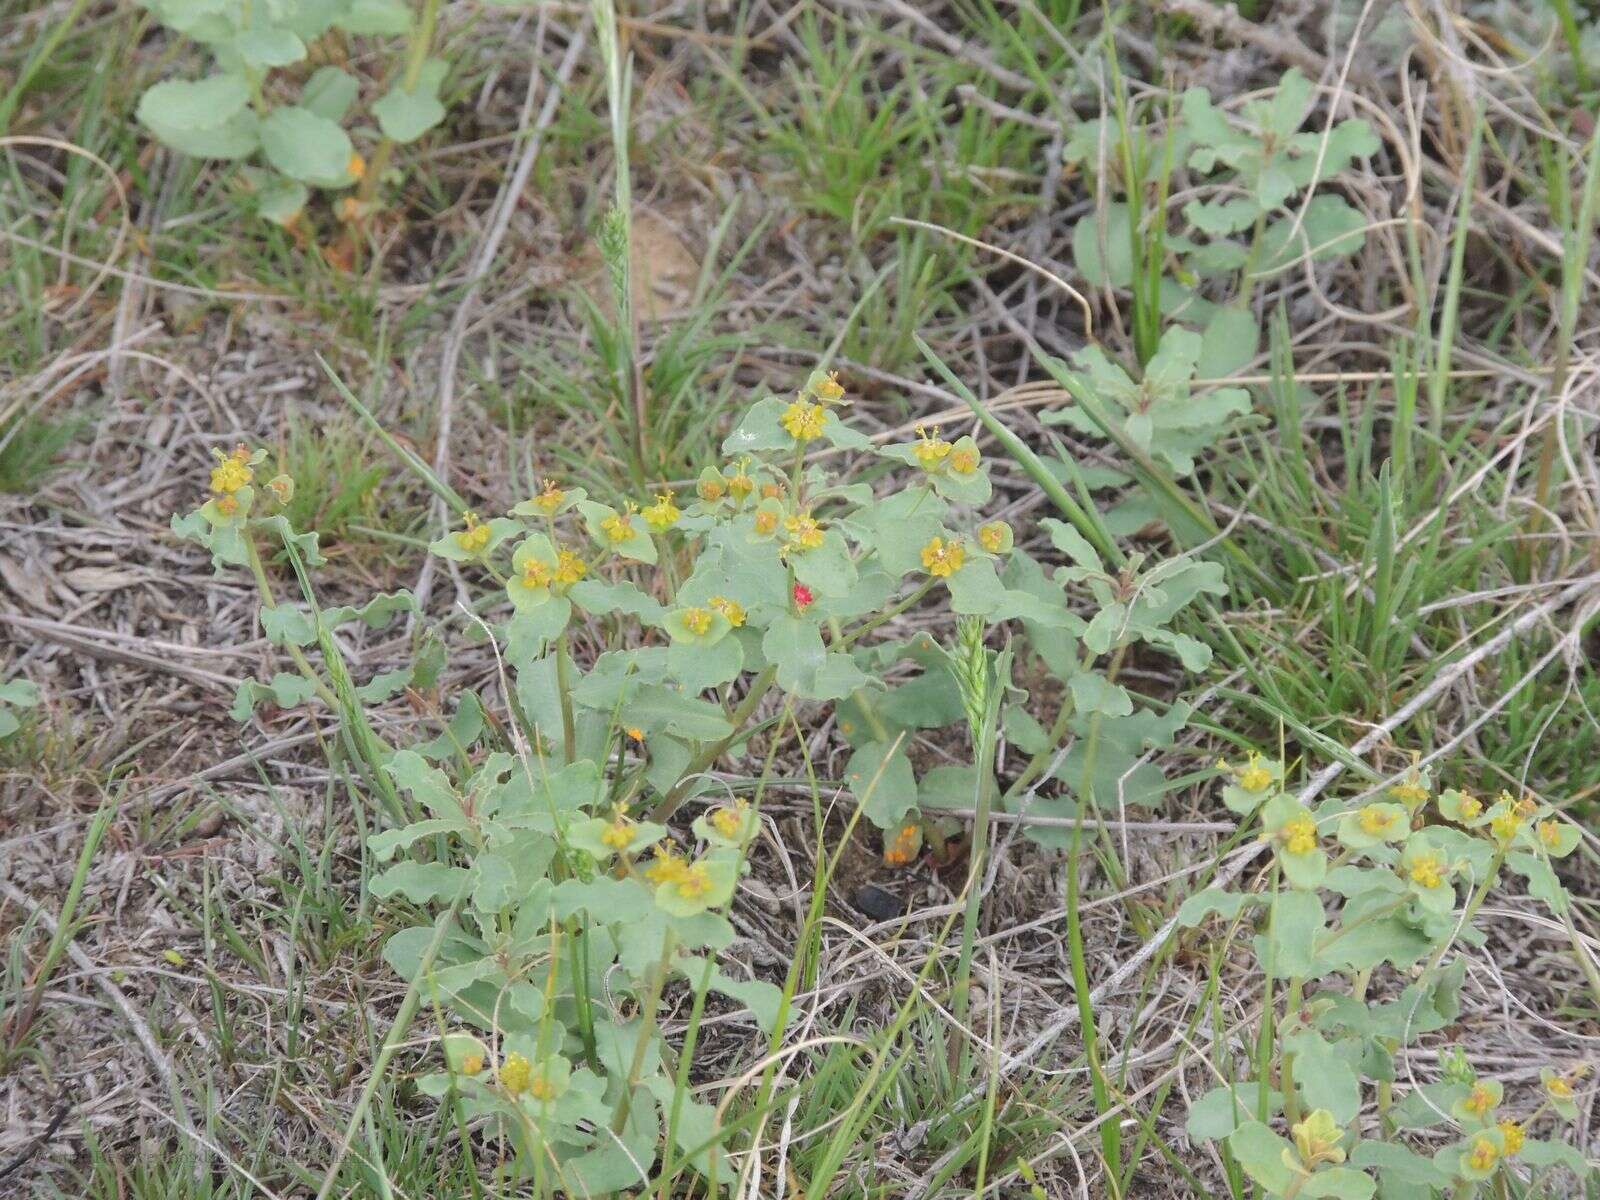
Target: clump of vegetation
1363	888
257	106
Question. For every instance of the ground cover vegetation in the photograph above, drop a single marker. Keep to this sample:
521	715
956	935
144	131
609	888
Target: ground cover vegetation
847	599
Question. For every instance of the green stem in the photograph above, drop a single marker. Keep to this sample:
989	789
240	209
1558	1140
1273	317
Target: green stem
758	690
647	1029
416	56
569	737
888	614
268	600
1291	1006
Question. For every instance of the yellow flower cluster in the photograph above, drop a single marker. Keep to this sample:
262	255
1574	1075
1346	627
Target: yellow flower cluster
1481	1099
663	514
549	498
931	449
474	539
805	532
943	559
569	568
731	609
515	1073
697	621
828	389
618	527
729	819
802	421
1252	777
535	573
1375	821
619	834
1513	1134
1299	834
1483	1154
232	473
1428	870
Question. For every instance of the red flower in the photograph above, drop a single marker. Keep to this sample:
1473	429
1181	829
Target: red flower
802	596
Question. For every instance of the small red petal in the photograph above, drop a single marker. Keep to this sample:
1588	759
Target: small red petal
802	595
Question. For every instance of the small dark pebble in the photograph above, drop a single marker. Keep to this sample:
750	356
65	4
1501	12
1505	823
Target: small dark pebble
876	903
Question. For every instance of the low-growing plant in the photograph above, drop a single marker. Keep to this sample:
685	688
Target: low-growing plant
260	106
1267	214
1365	899
640	644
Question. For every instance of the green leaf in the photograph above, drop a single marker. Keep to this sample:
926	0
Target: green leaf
1101	247
266	46
1223	1109
206	119
1229	343
794	646
284	690
879	775
281	200
194	105
387	844
1542	882
698	666
598	598
976	589
405	116
948	787
1073	544
1400	1163
1260	1152
426	783
19	692
329	93
1539	1153
375	17
1296	923
1094	693
307	147
1339	1182
1324	1076
421	883
1213	902
655	707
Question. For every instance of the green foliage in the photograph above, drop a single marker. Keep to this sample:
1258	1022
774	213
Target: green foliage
256	105
1267	217
1406	885
16	696
548	847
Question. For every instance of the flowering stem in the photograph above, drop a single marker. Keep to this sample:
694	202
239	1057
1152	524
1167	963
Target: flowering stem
268	600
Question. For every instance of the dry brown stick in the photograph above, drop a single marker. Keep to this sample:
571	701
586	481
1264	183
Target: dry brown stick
80	638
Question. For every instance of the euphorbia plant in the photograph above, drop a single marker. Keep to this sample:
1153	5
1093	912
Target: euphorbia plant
647	641
1364	896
